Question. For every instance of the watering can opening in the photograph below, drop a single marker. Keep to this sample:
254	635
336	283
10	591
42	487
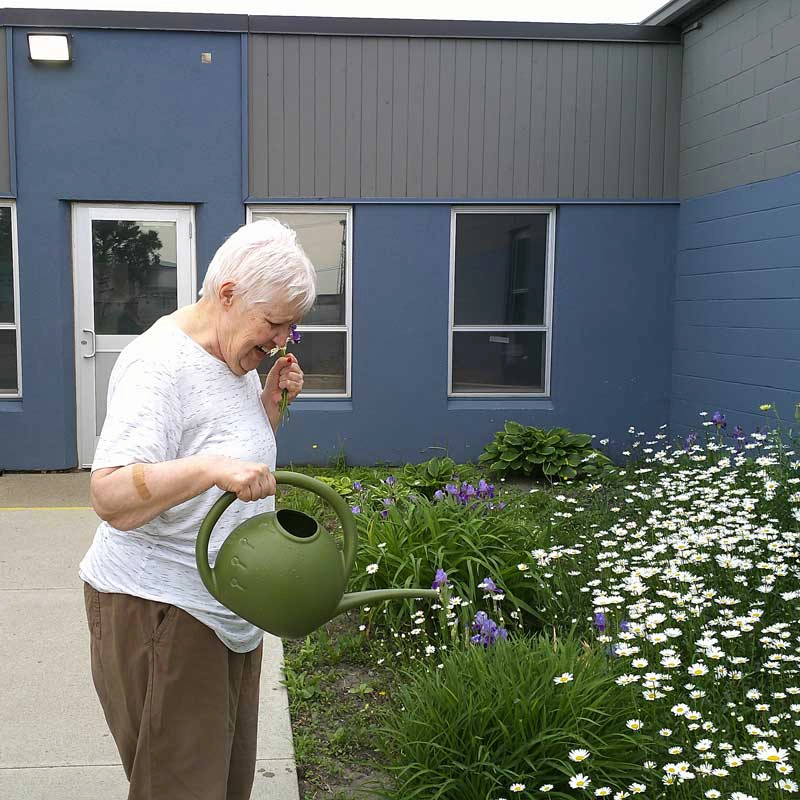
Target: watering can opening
297	524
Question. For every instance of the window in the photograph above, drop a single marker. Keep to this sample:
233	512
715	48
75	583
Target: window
324	232
10	364
501	283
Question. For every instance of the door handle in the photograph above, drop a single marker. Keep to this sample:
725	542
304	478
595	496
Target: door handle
83	341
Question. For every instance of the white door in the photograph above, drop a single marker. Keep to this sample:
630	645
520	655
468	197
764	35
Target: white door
132	265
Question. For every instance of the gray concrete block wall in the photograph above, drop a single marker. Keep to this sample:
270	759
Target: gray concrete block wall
740	105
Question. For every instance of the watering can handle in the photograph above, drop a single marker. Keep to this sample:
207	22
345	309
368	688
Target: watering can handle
290	479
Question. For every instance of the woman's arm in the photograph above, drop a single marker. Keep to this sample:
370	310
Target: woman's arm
127	497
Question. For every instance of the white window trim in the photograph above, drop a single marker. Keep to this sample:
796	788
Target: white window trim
347	328
17	324
547	327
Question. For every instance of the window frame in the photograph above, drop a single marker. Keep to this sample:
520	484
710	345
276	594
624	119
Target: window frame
547	327
16	325
347	328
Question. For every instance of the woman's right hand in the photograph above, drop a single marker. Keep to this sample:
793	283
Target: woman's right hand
248	480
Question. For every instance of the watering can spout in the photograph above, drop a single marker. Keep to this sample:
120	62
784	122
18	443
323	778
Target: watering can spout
356	599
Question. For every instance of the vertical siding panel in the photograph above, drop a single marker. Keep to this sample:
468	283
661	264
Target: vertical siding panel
552	141
322	118
613	122
400	118
539	115
477	110
566	144
461	119
352	174
430	118
672	127
597	139
276	186
369	117
291	115
583	121
306	99
491	119
385	92
627	137
5	145
258	181
447	89
658	115
416	100
338	115
508	122
522	121
644	102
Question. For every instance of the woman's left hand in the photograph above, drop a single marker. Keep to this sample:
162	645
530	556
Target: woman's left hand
285	374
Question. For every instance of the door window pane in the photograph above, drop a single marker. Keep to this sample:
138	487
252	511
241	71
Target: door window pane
498	362
6	266
500	269
9	380
324	239
135	274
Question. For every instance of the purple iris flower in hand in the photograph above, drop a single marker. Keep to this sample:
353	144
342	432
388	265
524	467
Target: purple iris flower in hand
295	334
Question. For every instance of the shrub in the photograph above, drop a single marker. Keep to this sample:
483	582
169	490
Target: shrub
492	717
554	454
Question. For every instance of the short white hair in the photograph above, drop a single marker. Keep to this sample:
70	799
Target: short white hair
265	262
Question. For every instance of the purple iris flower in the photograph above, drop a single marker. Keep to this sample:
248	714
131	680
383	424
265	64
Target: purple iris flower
600	621
718	418
451	488
690	441
438	495
486	631
390	481
356	509
384	513
357	486
440	579
296	336
490	586
624	626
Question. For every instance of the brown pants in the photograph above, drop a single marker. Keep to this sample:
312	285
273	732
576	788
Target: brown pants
182	707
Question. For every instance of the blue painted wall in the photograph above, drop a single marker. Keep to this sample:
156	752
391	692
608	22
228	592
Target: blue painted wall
611	348
138	118
737	308
135	118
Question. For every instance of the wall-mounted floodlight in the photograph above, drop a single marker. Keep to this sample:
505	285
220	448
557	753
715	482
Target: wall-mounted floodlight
54	48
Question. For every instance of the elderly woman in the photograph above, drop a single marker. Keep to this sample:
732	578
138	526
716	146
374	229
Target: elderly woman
177	673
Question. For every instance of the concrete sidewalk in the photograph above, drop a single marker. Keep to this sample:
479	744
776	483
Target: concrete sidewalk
54	742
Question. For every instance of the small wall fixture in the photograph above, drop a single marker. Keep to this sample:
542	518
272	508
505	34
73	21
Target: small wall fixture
51	48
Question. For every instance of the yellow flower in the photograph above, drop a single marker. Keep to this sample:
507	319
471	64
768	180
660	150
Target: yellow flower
766	406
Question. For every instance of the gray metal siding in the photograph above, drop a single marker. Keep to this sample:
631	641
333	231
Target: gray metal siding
740	111
350	117
5	155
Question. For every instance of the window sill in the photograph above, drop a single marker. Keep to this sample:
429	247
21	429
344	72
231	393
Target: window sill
500	403
10	405
323	404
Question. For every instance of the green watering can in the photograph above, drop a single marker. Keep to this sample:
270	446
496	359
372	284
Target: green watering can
282	571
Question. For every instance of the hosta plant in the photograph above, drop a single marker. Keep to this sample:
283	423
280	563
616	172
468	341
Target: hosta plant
429	476
555	454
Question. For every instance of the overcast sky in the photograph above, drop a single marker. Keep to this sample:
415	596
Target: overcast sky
530	10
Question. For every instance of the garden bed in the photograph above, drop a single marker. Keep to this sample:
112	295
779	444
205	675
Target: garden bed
636	635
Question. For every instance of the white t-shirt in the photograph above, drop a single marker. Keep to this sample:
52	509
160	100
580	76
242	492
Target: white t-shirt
169	398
